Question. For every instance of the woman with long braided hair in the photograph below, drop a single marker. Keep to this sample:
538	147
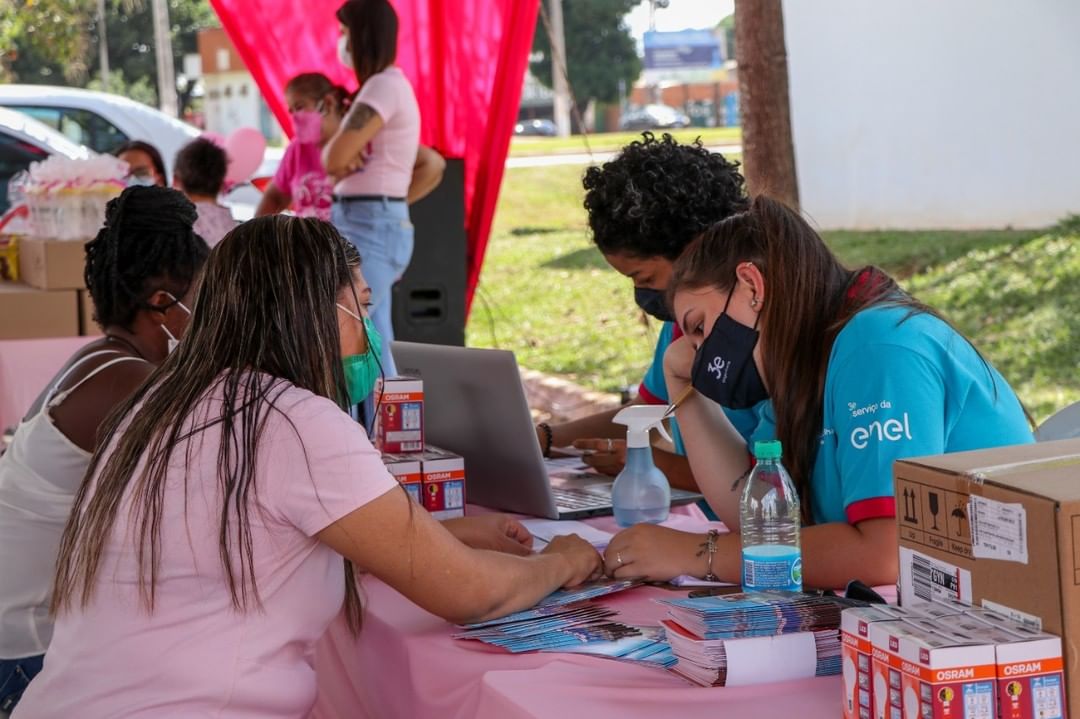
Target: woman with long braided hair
140	270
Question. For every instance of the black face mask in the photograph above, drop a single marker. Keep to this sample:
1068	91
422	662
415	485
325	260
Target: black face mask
724	369
653	303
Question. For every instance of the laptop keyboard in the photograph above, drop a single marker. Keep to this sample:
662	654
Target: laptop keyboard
569	498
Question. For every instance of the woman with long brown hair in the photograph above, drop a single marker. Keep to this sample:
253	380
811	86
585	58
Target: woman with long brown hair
203	557
842	366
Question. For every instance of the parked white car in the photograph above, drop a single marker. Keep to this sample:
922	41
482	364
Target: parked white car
24	140
103	122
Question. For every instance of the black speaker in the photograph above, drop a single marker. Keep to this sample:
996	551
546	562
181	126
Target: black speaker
429	300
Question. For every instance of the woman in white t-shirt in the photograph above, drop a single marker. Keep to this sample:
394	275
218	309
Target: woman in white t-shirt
373	154
204	555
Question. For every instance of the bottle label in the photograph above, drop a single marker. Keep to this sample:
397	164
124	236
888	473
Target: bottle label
772	567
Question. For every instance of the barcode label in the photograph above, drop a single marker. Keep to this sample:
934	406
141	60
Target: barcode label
748	573
926	579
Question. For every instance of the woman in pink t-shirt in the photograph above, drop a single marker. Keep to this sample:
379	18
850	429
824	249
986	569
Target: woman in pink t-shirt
203	559
372	155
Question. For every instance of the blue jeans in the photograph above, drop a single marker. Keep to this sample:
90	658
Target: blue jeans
15	676
383	234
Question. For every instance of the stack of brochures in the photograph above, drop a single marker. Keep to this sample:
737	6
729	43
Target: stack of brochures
567	621
753	638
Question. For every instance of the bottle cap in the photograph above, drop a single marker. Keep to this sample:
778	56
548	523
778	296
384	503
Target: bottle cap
770	449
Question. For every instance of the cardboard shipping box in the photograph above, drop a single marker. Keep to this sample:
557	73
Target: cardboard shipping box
28	313
87	326
999	529
52	264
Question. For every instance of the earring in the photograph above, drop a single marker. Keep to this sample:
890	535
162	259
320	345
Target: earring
754	302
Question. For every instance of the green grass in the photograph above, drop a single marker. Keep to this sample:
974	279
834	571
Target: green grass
547	294
610	141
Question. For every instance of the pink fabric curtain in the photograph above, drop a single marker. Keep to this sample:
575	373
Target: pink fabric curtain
465	58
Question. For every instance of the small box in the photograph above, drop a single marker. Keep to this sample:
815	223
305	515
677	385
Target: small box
857	658
28	313
946	675
9	258
52	264
399	424
88	327
406	469
1030	667
999	529
886	671
443	483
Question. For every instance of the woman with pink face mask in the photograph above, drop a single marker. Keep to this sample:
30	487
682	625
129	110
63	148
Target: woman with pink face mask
316	106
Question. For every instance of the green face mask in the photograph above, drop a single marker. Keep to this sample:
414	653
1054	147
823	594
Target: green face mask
362	371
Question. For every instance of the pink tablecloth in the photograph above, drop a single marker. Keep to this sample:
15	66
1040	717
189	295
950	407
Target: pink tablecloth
404	664
26	366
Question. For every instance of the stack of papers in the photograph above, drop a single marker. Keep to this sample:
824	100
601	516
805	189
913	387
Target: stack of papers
567	621
545	530
755	638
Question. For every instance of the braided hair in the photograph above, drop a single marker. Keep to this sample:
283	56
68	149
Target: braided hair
147	244
657	195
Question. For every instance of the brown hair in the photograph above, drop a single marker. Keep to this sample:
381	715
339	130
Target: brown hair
316	86
373	31
811	297
264	319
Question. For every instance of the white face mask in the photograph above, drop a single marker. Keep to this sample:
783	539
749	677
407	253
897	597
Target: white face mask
343	52
172	342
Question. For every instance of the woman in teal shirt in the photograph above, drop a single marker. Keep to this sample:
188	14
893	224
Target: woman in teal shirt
857	374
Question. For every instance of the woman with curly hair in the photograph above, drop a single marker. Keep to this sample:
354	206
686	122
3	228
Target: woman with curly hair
645	206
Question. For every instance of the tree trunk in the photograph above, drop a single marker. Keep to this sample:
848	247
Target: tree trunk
768	152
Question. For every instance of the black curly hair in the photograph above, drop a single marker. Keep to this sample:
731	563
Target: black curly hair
657	195
147	244
200	167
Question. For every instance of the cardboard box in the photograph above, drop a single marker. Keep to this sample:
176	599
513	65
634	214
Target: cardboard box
28	313
443	483
406	469
947	675
886	670
857	657
52	264
997	528
87	326
399	425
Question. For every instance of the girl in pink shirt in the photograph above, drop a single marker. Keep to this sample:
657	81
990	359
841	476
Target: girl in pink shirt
372	155
204	554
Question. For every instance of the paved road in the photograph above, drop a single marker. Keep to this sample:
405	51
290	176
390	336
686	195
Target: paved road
595	159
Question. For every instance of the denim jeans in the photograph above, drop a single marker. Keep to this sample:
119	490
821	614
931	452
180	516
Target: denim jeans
383	234
15	676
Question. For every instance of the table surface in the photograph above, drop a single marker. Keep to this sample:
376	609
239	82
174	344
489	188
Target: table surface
404	664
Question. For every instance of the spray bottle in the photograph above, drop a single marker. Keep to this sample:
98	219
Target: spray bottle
641	492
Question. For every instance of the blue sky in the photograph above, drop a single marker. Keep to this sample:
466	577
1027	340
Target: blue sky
681	15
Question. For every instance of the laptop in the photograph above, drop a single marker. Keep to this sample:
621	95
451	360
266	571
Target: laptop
475	406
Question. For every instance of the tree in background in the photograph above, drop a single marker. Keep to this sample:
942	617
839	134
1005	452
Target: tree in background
768	151
600	51
51	41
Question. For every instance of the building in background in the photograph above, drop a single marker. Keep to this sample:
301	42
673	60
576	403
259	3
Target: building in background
689	70
231	99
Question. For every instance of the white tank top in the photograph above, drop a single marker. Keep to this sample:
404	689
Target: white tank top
39	476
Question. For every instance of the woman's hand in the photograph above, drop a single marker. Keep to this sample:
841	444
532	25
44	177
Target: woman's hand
604	455
585	562
497	532
654	552
679	363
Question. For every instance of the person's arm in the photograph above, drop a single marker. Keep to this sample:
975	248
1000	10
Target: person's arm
498	532
427	174
717	452
676	468
598	425
343	154
833	554
405	547
274	200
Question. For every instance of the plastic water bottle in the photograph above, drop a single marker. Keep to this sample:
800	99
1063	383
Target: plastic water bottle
770	524
641	492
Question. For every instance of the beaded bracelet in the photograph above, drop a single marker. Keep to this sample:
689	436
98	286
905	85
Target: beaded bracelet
546	429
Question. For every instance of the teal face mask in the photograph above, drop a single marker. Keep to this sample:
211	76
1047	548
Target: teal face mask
362	371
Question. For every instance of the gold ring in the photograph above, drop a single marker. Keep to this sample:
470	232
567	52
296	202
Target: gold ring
618	558
610	444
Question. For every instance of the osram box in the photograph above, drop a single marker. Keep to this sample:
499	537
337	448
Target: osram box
946	675
443	483
857	658
406	469
399	420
